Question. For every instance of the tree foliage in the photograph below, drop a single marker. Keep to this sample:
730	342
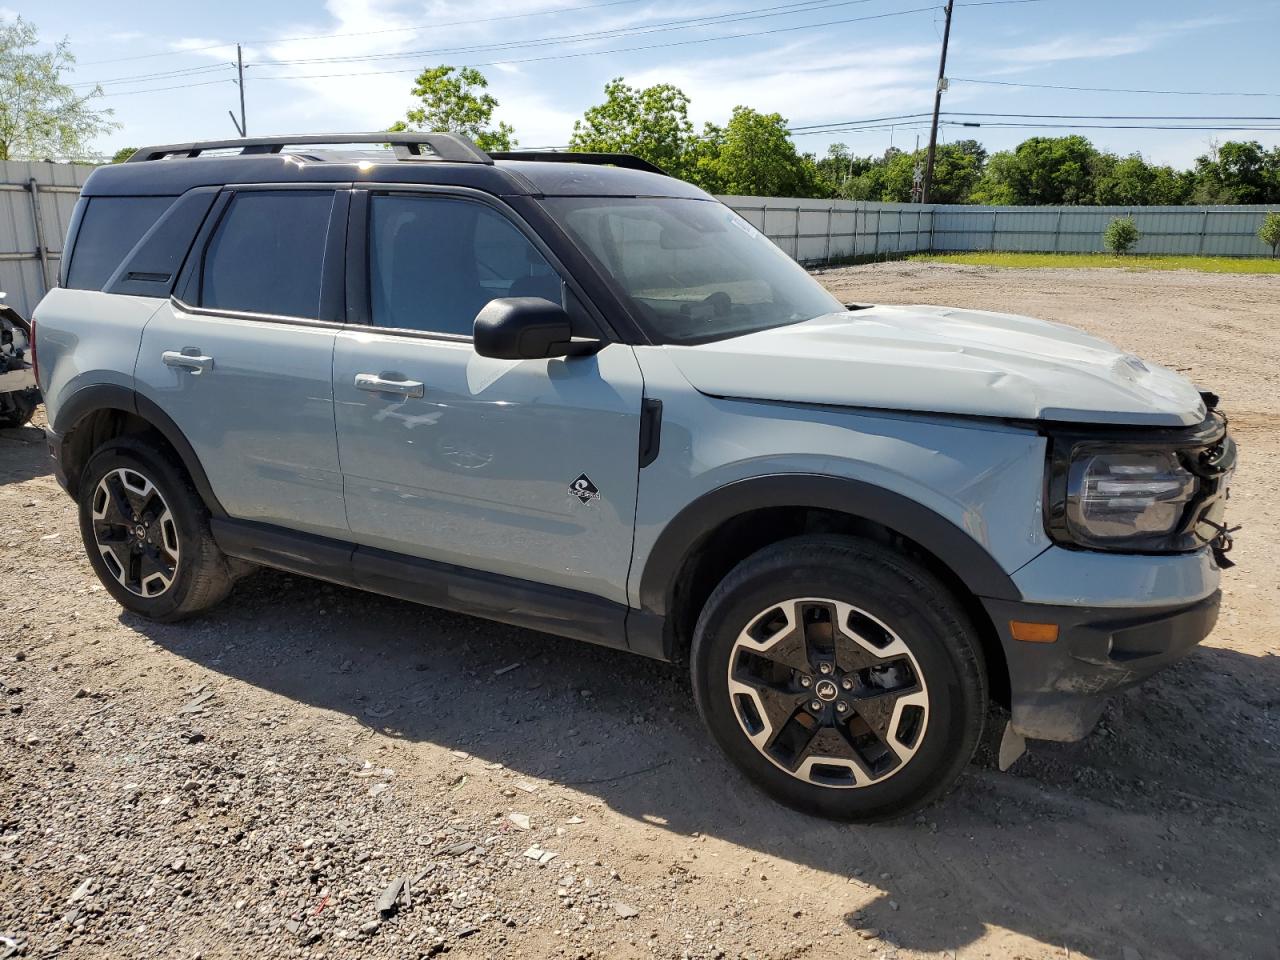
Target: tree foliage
754	154
1121	235
1269	232
42	117
755	157
1238	171
455	100
123	154
1041	170
652	123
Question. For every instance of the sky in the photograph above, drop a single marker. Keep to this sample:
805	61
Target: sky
167	67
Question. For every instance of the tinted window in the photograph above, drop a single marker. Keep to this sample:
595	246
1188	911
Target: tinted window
268	254
109	229
434	262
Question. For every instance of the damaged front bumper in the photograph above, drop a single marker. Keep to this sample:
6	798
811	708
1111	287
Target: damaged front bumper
1058	690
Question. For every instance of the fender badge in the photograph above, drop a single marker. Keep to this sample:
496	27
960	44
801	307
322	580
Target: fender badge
584	489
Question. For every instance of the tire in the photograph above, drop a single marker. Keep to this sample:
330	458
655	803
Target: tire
17	408
164	565
866	722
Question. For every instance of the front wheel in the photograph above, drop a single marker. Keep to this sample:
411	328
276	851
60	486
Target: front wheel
147	532
840	676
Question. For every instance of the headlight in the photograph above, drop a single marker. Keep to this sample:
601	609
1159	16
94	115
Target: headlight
1116	497
1138	491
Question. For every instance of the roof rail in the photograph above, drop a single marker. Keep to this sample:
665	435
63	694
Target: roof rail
625	160
408	146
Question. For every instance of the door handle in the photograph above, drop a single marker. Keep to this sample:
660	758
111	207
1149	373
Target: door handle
195	362
376	384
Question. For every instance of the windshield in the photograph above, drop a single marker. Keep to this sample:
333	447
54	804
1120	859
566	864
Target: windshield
693	270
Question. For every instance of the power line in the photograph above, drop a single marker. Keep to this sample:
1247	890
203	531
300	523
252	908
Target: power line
180	86
152	56
754	13
1098	116
599	53
1110	126
1057	86
138	78
450	23
801	6
408	28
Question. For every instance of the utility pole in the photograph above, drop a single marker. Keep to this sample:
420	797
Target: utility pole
241	127
937	106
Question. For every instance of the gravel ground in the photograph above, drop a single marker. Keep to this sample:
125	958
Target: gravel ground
254	782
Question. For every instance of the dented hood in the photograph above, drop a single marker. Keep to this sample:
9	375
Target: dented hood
942	360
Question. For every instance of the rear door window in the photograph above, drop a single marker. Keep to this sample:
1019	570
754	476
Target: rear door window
109	229
267	254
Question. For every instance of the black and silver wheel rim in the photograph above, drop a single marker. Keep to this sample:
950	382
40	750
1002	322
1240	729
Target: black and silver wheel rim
828	693
135	532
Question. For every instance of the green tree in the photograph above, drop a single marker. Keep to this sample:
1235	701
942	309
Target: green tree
757	158
652	123
869	182
1269	232
123	154
453	100
845	175
1121	234
1131	181
41	115
1238	171
1041	170
956	170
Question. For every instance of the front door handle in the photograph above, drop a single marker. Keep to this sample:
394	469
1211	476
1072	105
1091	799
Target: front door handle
376	384
197	363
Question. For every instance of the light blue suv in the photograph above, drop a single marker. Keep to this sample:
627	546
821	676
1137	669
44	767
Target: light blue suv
568	392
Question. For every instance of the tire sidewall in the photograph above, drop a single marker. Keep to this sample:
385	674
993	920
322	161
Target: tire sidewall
187	515
916	610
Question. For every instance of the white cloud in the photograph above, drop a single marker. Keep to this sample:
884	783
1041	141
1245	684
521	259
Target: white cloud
803	85
1088	46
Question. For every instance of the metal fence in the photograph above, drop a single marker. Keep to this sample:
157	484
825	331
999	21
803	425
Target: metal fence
1209	231
817	231
36	200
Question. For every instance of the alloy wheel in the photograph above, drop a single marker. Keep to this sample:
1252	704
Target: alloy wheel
828	693
135	532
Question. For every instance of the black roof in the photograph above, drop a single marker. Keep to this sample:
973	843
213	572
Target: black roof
442	159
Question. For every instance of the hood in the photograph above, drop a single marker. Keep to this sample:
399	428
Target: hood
942	360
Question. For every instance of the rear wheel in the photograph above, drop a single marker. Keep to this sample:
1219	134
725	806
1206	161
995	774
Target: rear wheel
147	532
841	676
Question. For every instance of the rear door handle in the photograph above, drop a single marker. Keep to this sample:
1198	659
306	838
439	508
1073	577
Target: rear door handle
195	362
376	384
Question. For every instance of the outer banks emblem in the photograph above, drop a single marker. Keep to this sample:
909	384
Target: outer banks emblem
584	489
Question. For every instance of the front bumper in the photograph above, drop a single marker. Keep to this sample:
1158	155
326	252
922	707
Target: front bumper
1058	690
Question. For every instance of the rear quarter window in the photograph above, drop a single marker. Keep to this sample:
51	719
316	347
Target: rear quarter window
109	228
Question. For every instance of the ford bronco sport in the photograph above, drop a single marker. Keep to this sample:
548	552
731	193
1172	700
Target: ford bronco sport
571	393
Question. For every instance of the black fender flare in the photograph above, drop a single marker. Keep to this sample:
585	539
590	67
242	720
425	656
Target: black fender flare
969	560
109	396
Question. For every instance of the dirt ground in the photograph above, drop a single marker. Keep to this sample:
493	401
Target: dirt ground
251	782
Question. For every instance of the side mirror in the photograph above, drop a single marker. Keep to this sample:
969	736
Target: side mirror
527	328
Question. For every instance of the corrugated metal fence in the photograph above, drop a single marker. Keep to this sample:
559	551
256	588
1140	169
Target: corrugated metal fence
36	200
815	231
